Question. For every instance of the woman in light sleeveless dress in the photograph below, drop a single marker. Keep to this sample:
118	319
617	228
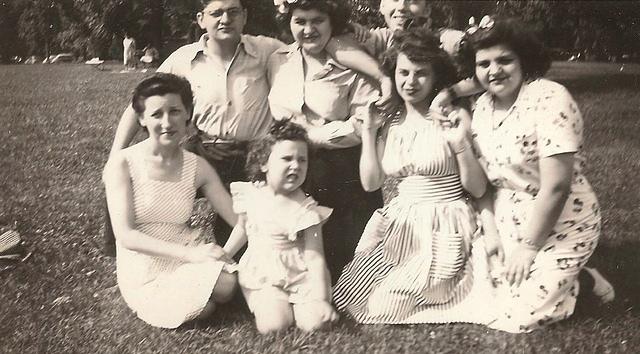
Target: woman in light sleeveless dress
166	273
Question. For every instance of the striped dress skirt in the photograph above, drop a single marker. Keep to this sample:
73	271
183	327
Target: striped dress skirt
419	260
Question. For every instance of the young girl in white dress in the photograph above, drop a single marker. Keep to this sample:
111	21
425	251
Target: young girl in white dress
166	272
283	273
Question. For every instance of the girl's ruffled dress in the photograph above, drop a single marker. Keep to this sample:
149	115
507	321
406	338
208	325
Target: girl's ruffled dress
274	259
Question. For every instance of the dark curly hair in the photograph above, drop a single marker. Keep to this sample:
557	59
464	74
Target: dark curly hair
337	10
515	34
260	150
421	46
161	84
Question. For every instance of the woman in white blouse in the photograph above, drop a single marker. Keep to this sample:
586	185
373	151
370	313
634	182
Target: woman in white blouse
328	99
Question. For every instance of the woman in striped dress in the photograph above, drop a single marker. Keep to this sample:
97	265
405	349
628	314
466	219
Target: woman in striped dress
167	272
413	262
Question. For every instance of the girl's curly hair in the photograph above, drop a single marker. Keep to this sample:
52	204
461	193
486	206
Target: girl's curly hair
260	150
513	33
421	46
337	10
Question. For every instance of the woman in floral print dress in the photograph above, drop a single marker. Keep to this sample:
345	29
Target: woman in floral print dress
528	134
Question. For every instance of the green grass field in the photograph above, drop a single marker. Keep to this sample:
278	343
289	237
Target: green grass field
57	125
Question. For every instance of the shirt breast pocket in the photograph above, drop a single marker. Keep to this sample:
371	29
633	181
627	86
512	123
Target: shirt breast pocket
207	90
249	85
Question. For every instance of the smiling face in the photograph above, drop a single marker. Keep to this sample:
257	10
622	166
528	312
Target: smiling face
223	20
286	168
311	29
397	12
165	117
414	81
499	71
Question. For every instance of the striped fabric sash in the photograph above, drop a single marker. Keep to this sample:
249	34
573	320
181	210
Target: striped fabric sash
431	188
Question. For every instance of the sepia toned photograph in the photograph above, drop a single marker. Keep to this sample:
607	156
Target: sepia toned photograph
321	176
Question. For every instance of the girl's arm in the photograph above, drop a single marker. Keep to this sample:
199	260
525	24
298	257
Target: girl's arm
471	175
463	88
347	51
207	178
371	174
238	237
555	185
120	202
316	264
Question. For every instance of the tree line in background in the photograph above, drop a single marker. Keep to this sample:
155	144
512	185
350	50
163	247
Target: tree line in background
90	28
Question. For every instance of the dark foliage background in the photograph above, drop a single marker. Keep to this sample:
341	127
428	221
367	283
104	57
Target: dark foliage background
88	28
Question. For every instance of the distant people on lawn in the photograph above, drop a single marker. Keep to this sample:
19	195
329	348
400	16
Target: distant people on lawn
330	101
151	56
283	274
413	263
528	134
129	51
229	76
166	273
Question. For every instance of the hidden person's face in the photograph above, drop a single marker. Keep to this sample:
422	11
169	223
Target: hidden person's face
223	20
398	12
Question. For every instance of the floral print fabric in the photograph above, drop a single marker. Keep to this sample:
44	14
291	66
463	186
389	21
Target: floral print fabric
544	121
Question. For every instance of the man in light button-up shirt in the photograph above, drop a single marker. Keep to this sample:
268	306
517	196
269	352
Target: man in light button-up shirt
228	75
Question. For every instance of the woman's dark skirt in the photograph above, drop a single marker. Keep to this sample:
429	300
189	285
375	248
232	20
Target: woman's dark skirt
333	180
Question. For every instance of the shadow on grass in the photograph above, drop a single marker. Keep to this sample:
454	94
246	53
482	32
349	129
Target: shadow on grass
620	265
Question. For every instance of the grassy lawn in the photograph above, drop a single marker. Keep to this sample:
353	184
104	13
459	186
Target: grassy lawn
57	125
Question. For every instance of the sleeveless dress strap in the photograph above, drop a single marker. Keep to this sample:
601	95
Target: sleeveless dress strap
136	167
189	168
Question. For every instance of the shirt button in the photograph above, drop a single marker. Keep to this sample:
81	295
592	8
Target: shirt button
229	104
